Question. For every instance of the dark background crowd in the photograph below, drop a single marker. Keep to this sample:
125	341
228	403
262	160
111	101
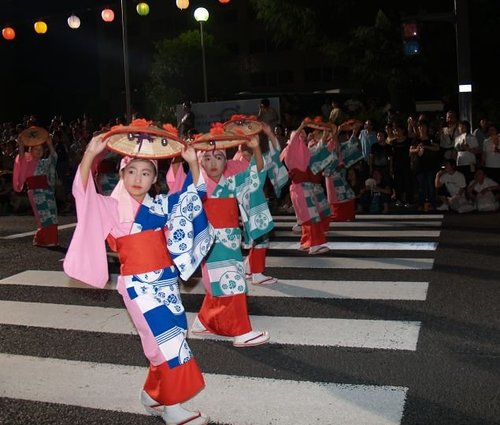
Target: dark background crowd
404	156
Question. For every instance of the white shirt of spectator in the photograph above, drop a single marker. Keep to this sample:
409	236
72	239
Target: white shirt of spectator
465	157
453	182
477	187
491	158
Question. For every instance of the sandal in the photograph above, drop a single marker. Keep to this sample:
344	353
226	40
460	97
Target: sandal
267	280
251	339
199	415
151	406
318	250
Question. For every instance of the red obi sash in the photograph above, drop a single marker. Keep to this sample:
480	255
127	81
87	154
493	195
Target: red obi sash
298	176
141	252
222	212
37	182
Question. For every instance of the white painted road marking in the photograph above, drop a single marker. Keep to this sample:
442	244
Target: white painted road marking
226	399
23	235
396	233
382	334
364	246
351	289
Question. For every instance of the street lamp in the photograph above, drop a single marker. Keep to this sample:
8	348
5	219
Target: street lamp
201	15
128	103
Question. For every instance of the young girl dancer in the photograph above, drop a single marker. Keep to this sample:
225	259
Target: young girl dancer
156	239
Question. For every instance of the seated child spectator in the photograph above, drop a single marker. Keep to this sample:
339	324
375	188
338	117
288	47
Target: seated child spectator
450	187
483	191
376	194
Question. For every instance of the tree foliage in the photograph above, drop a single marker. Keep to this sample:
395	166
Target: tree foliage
177	72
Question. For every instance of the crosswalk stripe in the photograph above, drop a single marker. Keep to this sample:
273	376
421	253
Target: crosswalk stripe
350	289
372	217
321	262
395	234
227	398
22	235
366	223
381	334
354	246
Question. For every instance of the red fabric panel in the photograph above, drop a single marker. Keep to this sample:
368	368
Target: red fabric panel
171	386
227	316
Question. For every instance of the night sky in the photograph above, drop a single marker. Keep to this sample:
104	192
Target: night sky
59	72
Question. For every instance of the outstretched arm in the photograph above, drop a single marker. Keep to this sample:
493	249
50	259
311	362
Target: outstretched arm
253	144
94	148
189	155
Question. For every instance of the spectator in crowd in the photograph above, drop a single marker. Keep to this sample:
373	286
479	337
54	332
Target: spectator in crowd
483	191
381	156
267	113
336	116
187	122
426	154
481	132
450	186
491	154
367	138
376	194
467	148
447	135
401	171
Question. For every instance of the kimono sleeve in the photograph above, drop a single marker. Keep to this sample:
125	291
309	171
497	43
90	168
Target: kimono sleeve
254	209
276	171
321	157
189	236
19	173
86	259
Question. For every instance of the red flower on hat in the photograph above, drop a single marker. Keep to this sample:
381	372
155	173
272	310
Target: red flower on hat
216	128
170	128
140	122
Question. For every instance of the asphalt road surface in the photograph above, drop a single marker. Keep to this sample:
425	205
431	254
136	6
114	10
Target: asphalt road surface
398	324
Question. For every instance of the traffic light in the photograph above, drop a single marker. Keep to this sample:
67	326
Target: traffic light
411	42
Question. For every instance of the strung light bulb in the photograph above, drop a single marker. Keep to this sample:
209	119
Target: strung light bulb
74	22
8	33
107	15
182	4
142	8
40	27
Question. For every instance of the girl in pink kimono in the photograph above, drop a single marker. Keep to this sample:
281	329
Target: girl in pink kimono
157	239
39	175
305	160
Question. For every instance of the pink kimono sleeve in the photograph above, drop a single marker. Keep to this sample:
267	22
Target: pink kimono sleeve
23	167
86	259
235	166
175	178
296	155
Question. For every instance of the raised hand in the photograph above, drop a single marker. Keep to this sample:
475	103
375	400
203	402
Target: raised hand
96	145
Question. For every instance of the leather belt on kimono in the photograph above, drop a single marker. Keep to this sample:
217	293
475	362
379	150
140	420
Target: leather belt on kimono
143	252
298	176
222	212
37	182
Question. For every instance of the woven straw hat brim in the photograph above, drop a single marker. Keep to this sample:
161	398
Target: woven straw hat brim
143	142
246	127
350	125
210	142
33	136
317	126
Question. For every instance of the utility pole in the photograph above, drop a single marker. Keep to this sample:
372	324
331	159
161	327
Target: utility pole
463	60
460	19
